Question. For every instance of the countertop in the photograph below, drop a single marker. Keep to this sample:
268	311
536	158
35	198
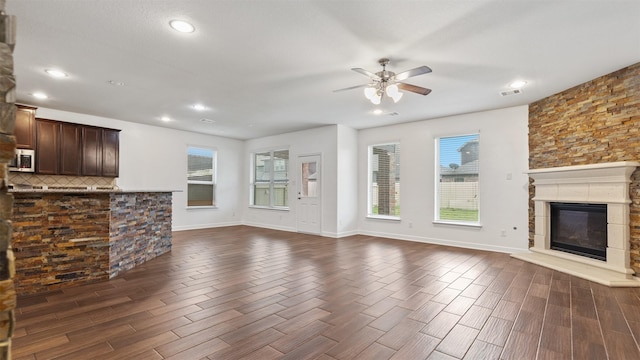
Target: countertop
85	190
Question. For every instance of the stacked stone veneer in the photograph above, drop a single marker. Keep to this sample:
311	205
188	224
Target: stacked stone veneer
60	240
7	146
66	239
140	229
596	122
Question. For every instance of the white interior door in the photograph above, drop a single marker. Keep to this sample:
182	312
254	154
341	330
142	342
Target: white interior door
309	187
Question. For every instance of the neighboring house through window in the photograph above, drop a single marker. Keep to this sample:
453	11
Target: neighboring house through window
384	180
201	177
457	191
270	180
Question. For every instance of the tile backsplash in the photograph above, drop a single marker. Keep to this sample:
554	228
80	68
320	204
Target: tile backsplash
60	180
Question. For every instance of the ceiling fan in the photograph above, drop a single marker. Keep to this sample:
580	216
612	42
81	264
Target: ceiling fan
387	82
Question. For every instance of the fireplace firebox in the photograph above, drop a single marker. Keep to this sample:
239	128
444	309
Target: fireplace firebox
579	229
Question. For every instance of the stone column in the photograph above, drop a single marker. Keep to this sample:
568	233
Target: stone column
7	147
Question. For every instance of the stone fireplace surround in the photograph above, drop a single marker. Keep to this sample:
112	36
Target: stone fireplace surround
606	183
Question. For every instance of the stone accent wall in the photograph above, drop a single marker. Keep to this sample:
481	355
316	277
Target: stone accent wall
60	240
7	147
140	229
63	239
595	122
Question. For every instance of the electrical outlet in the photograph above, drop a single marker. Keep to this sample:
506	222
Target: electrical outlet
410	225
503	232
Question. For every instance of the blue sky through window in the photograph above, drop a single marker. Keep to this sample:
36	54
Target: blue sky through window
449	148
200	152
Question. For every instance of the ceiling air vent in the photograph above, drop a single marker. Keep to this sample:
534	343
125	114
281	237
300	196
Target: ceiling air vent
511	92
207	121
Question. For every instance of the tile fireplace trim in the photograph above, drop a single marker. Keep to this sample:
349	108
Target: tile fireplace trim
606	183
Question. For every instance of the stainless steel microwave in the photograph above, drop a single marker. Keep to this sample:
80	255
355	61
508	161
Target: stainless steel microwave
24	160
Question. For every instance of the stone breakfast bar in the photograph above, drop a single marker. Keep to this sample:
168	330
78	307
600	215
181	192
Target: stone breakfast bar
63	238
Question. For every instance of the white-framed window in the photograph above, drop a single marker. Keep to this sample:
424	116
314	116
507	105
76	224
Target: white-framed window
457	179
201	177
384	180
270	179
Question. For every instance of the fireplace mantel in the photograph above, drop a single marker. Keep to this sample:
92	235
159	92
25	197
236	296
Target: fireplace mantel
606	183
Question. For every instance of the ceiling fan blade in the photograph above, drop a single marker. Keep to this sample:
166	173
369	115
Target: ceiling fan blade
352	87
416	89
367	73
413	72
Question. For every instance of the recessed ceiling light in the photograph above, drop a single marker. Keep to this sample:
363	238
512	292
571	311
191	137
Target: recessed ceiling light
165	118
377	112
517	84
199	107
40	95
182	26
56	73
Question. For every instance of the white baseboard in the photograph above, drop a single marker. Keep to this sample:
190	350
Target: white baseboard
428	240
339	234
422	239
205	226
269	226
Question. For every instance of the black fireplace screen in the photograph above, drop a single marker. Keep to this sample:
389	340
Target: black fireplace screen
580	229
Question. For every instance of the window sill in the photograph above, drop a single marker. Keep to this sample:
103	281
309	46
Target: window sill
201	207
269	208
382	217
458	223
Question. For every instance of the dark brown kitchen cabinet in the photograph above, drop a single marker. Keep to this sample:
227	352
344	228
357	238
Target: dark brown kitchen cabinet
77	150
70	154
91	151
110	152
47	145
24	129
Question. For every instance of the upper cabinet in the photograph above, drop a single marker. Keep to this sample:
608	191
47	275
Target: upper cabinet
74	149
24	130
47	145
110	152
70	154
91	151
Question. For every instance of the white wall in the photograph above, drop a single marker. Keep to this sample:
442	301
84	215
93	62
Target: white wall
155	158
347	162
503	203
309	142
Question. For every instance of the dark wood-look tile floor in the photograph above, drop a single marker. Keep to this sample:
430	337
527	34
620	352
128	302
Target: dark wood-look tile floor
249	293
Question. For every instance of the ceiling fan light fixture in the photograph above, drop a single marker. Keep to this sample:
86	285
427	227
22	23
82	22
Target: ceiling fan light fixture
385	82
373	94
370	92
392	92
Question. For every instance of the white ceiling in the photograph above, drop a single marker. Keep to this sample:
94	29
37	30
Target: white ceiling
266	67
